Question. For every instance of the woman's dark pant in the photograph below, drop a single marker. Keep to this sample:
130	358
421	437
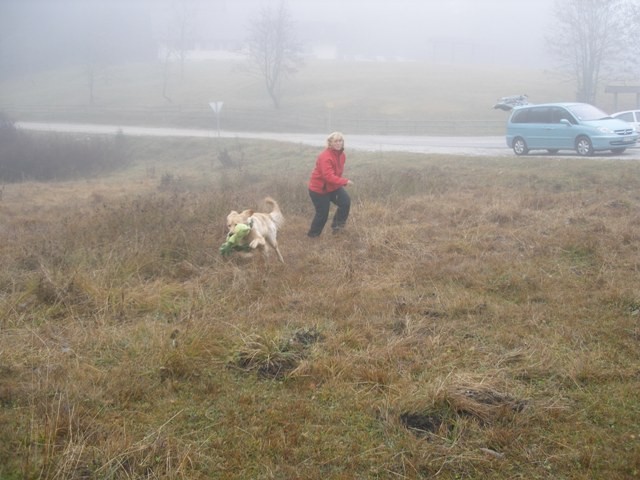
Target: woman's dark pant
322	203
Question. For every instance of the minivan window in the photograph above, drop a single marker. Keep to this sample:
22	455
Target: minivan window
533	115
540	115
520	116
584	111
559	113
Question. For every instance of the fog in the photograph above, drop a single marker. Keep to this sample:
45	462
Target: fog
453	31
41	34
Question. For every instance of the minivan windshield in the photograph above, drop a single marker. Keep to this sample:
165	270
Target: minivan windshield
584	111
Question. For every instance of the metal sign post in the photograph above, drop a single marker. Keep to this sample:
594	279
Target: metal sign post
217	107
330	106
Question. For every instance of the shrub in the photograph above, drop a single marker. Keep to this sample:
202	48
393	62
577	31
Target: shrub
42	157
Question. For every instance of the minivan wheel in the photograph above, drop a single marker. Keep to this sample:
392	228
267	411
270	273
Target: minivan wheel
520	146
584	147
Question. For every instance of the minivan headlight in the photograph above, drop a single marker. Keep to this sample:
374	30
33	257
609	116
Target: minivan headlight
604	130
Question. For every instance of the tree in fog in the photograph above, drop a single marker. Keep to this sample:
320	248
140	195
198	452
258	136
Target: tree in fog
179	38
591	40
273	50
181	30
95	52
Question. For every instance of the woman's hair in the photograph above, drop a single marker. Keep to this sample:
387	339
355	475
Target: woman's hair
334	136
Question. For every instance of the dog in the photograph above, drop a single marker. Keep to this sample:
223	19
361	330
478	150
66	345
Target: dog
264	227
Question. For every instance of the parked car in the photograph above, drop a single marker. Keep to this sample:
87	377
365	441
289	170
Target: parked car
567	126
507	103
630	116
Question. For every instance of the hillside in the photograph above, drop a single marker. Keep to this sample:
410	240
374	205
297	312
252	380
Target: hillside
479	319
360	97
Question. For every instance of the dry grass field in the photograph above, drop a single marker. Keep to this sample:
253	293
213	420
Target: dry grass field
480	318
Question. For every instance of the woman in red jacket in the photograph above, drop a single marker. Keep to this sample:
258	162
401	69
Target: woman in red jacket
326	186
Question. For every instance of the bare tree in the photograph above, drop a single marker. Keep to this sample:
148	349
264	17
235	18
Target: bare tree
178	38
590	40
181	29
96	45
105	34
273	50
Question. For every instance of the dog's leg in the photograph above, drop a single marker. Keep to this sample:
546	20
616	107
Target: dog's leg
279	254
258	242
274	244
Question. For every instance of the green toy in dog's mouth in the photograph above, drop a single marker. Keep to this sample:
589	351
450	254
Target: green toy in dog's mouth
232	243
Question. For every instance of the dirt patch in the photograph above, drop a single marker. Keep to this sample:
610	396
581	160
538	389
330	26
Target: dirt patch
423	424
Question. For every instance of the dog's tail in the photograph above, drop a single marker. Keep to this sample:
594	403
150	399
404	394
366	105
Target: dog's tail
275	214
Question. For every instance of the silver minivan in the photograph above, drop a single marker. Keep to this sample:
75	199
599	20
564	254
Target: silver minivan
567	126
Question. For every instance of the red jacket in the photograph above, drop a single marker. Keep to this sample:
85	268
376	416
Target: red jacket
327	174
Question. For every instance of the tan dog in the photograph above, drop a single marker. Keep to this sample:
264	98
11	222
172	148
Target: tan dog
264	227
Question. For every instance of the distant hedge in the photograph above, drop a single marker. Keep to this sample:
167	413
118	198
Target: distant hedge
37	156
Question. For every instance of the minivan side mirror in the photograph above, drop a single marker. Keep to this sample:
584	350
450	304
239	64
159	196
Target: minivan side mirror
565	121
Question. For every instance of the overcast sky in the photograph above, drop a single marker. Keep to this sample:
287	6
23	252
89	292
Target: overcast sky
493	31
452	31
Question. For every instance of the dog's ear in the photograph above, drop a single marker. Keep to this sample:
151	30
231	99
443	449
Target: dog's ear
232	212
248	212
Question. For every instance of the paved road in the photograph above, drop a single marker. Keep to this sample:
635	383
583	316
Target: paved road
476	146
